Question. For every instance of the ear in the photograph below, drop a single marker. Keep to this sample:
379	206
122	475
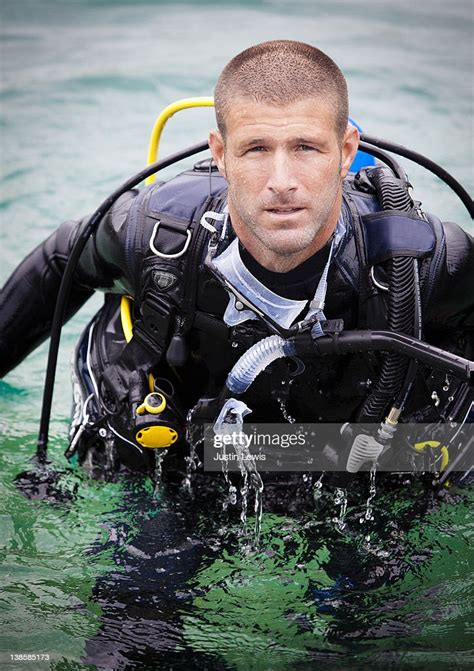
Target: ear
217	147
350	144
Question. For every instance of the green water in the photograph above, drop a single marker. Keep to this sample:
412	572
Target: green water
81	84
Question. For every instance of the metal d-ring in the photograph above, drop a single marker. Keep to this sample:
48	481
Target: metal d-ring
162	254
379	285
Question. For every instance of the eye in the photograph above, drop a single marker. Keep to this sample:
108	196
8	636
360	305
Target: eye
305	147
256	149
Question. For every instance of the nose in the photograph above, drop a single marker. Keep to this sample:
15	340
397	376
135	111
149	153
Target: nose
281	179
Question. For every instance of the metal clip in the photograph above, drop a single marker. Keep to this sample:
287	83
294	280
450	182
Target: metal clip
162	254
85	421
379	285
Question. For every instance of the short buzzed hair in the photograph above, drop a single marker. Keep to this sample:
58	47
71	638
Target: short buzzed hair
280	72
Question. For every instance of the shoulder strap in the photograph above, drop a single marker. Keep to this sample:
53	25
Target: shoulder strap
371	308
164	248
382	234
430	268
171	242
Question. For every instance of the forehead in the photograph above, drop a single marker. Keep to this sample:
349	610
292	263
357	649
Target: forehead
245	118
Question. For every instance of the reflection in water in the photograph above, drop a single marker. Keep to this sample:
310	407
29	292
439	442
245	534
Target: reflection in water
190	589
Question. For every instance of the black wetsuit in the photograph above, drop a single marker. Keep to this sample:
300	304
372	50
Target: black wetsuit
331	389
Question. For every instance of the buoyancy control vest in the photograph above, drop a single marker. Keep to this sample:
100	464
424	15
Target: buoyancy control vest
382	278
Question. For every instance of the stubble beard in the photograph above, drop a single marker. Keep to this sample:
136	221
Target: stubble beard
280	244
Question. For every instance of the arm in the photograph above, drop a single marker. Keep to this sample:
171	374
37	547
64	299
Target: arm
28	298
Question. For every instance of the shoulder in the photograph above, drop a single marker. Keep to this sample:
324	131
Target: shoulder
183	196
110	237
163	222
459	248
452	293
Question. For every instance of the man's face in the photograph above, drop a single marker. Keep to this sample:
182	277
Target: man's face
284	167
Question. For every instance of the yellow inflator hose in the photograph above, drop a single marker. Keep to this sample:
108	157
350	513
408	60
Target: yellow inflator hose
167	113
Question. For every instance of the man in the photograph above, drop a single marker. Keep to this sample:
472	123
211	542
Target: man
284	147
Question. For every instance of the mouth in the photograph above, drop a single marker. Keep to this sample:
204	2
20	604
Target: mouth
284	211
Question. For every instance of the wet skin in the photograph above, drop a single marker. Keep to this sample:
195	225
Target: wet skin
285	167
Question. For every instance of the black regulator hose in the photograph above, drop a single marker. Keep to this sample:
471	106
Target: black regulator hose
400	302
352	342
418	330
386	158
400	319
65	286
425	162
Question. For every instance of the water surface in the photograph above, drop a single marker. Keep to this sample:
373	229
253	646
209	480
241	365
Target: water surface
116	578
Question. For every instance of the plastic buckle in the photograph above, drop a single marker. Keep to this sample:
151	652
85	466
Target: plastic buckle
332	326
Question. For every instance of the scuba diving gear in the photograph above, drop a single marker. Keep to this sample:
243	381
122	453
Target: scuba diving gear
255	360
365	447
263	353
281	310
154	403
387	242
160	325
66	280
153	427
106	434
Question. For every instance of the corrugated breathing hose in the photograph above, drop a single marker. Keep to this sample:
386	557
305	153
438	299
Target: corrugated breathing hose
402	284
